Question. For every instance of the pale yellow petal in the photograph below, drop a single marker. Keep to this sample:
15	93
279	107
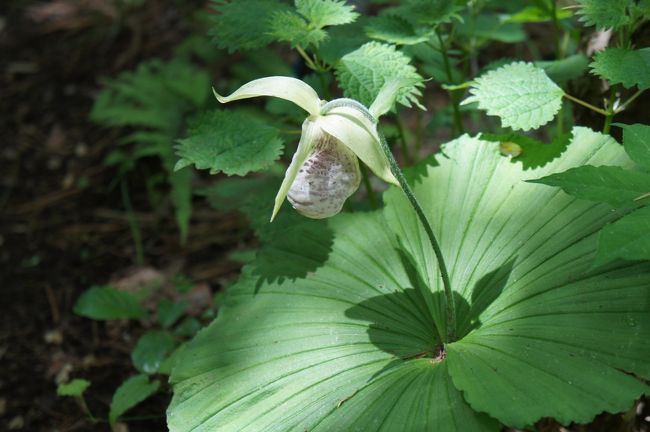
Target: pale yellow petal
359	134
288	88
310	134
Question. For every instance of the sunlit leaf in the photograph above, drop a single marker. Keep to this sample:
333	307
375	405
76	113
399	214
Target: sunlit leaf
520	94
341	329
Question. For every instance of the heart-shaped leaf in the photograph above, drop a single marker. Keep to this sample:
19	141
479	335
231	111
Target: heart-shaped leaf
343	331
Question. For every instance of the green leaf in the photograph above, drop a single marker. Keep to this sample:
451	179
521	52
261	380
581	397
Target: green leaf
362	73
292	28
170	362
628	238
151	350
107	303
636	140
520	94
531	152
188	327
394	29
132	391
427	13
170	311
613	185
322	13
230	141
342	40
76	387
233	24
488	27
341	330
565	69
623	66
536	14
604	13
155	95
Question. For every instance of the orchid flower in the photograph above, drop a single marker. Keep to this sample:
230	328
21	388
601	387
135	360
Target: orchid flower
324	171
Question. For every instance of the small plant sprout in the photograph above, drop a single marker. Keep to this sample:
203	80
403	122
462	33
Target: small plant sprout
324	171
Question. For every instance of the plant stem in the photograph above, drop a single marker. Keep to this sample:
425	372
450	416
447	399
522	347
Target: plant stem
310	63
586	104
556	30
610	111
402	138
399	175
133	223
629	101
458	124
372	198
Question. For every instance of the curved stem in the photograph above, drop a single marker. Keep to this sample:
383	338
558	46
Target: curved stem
399	175
449	299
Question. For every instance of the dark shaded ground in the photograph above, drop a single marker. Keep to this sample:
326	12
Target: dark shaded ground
63	229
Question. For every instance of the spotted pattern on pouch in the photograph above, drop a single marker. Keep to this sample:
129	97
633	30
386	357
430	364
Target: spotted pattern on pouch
326	179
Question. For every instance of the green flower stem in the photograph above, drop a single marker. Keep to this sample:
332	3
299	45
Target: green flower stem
610	111
449	299
308	60
455	103
402	139
629	101
399	175
372	198
585	104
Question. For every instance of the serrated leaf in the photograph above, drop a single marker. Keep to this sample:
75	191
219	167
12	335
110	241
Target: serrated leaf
623	66
520	94
230	141
106	303
394	29
604	13
628	238
129	394
531	153
565	69
74	388
362	73
353	342
636	140
427	13
289	27
322	13
151	349
233	24
613	185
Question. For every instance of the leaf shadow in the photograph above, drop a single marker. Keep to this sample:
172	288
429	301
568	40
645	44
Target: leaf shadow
293	252
485	292
401	324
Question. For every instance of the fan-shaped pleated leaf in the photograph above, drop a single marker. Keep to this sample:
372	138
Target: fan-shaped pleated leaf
338	326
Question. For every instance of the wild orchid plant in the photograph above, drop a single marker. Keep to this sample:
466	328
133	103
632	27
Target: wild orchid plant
491	299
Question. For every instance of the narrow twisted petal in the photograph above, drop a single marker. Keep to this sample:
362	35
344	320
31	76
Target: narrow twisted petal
360	135
325	180
288	88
